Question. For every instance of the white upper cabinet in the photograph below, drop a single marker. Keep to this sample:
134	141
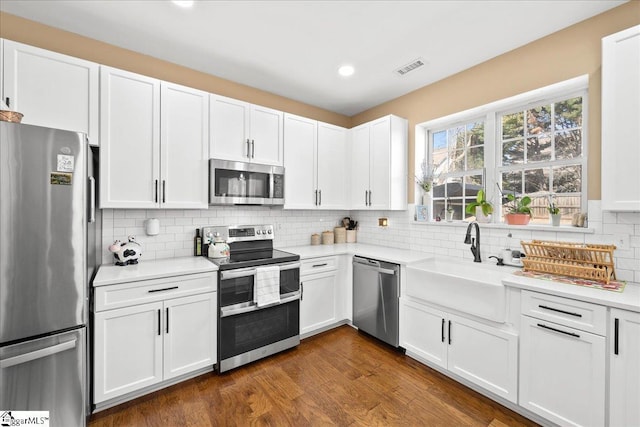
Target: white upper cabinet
150	159
315	164
245	132
184	139
620	124
379	164
51	89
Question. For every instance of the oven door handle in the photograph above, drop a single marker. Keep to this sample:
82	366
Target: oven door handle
228	311
236	274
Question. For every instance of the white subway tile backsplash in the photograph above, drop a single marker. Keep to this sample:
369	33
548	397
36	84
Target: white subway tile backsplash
294	228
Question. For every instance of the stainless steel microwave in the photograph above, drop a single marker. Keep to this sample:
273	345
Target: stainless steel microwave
241	183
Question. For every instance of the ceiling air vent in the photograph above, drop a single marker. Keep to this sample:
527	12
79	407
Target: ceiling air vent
410	67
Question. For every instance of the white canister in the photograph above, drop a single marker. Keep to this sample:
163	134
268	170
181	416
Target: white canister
152	226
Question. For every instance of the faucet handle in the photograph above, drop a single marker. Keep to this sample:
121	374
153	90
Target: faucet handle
500	260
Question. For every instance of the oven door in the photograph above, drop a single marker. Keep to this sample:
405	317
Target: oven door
251	333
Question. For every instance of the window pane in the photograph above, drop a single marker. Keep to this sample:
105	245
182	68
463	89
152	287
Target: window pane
539	120
475	133
475	158
512	182
454	187
438	209
512	125
568	114
473	183
456	160
513	152
567	179
539	148
440	151
568	206
536	180
569	144
456	138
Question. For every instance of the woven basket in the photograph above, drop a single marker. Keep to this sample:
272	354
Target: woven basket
11	116
593	262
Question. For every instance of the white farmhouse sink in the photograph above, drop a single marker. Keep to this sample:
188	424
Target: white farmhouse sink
469	287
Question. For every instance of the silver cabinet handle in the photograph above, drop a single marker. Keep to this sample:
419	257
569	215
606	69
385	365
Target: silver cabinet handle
253	149
164	191
92	199
38	354
301	291
320	194
155	186
316	198
248	148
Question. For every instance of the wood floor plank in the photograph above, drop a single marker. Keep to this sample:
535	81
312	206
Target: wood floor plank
341	377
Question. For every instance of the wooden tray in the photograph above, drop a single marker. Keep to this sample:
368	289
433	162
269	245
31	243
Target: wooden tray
590	261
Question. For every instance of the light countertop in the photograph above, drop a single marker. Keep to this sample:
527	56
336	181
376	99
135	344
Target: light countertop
397	256
152	269
629	299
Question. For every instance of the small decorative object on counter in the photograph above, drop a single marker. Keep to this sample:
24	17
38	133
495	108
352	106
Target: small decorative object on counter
519	212
315	239
126	253
219	248
11	116
327	237
152	226
351	236
554	212
340	234
579	220
197	244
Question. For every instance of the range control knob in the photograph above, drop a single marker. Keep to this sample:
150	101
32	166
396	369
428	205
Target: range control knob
269	231
258	232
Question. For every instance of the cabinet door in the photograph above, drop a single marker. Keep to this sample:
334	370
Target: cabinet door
130	140
267	136
379	168
229	133
183	147
52	89
189	334
360	167
620	124
423	332
333	182
300	162
127	350
562	373
318	303
485	356
624	378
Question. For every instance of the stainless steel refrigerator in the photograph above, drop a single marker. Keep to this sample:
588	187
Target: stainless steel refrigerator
47	258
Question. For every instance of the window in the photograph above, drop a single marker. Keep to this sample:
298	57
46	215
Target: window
533	144
458	162
542	155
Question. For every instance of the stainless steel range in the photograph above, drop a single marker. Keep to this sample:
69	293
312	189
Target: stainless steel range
258	295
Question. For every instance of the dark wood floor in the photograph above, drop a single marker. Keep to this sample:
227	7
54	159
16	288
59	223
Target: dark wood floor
340	377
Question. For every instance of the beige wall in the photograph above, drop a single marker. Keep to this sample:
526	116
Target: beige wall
568	53
36	34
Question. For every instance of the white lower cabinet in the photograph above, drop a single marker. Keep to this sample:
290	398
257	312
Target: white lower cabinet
624	369
145	344
319	286
477	352
562	368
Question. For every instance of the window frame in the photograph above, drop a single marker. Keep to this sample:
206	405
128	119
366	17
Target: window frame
491	114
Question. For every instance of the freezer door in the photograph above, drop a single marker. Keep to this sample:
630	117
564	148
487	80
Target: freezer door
43	223
46	374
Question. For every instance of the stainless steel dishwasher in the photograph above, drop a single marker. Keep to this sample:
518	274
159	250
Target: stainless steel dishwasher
376	289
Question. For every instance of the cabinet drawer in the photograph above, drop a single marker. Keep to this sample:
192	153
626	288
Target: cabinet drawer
144	291
563	311
318	265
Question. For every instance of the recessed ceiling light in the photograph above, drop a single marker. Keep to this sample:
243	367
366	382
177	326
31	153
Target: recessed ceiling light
346	70
183	3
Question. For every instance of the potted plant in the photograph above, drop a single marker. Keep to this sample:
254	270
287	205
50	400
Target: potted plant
518	210
554	211
425	182
481	208
450	211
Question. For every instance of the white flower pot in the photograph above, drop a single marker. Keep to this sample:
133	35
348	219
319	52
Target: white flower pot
554	219
426	199
481	217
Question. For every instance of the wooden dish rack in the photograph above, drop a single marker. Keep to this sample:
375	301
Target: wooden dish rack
586	261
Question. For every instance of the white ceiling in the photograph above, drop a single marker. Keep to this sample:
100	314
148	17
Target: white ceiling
294	48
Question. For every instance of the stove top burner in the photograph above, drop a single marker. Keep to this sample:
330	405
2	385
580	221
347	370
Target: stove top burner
254	259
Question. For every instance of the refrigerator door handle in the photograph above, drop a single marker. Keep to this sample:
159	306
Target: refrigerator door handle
38	354
92	199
